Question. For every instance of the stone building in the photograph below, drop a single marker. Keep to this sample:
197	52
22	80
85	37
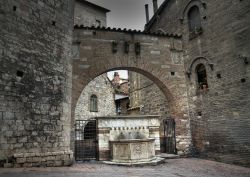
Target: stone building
215	40
97	99
121	102
134	93
195	51
89	14
121	87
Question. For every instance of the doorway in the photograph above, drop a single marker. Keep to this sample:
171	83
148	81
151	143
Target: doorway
86	143
169	136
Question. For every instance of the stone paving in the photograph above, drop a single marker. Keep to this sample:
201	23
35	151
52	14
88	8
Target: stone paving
190	167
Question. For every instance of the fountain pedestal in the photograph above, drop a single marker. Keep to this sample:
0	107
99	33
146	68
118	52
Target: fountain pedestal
129	140
132	150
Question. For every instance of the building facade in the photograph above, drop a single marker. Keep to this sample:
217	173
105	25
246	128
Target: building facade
121	87
216	47
97	99
203	71
145	97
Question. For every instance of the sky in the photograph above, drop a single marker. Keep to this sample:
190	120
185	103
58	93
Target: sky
128	14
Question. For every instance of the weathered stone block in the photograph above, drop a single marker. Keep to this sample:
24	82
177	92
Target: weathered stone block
18	155
23	140
58	163
8	115
67	162
21	160
8	165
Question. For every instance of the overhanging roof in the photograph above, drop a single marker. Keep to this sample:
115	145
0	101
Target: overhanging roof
93	5
127	31
120	96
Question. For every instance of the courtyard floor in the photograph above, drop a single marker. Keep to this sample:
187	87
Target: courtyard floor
189	167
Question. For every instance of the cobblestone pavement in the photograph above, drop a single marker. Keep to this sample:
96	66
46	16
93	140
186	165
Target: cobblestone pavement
190	167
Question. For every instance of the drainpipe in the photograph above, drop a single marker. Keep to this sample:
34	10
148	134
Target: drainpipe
155	5
147	13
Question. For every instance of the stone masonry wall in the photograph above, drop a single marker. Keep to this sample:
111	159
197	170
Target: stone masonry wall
220	121
35	82
153	102
145	97
102	88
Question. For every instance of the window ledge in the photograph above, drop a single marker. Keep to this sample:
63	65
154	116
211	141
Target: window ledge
195	33
202	91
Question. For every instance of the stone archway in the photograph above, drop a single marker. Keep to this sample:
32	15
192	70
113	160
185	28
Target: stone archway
158	57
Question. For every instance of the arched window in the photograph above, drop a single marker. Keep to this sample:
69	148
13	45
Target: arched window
202	76
93	103
194	19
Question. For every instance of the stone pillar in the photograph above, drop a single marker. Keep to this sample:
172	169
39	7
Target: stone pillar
154	132
103	143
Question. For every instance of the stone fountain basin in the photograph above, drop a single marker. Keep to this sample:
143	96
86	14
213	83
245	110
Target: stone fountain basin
133	150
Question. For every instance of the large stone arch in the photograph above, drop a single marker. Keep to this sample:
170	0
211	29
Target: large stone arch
90	76
160	56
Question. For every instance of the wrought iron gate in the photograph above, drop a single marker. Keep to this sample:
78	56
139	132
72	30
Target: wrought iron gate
169	134
85	140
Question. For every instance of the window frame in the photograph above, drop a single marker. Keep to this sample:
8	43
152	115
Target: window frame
93	103
194	21
201	80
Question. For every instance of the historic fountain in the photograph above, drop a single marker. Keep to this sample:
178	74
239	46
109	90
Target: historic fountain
129	140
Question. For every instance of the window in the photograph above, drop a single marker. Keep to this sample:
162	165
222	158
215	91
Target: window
202	76
194	19
93	103
98	23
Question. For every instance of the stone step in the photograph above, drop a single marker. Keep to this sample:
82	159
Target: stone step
153	162
168	156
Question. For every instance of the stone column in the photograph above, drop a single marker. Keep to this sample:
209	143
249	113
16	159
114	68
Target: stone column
103	143
154	133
